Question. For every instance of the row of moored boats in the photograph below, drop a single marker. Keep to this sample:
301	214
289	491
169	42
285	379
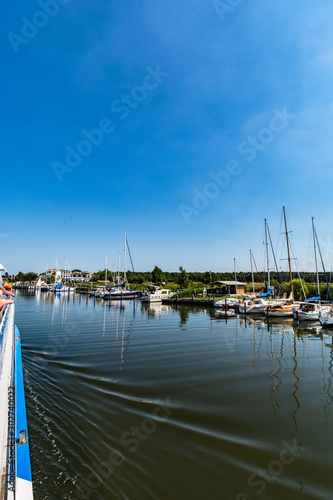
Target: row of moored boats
310	310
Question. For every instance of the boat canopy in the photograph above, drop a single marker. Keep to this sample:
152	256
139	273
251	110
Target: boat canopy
313	298
267	294
122	285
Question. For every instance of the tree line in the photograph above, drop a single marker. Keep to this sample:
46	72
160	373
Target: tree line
159	276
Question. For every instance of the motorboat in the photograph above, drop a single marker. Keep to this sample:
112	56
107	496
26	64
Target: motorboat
156	294
60	288
253	306
308	311
227	303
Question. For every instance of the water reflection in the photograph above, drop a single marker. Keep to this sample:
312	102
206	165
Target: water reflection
271	334
239	387
274	378
155	309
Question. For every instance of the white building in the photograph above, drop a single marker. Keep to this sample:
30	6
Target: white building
64	275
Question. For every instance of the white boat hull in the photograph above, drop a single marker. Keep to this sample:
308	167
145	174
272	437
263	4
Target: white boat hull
151	299
157	295
310	315
14	440
305	316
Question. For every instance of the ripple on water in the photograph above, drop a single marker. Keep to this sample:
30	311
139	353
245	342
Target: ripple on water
192	405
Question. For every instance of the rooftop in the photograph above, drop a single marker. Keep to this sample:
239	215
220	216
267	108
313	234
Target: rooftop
227	283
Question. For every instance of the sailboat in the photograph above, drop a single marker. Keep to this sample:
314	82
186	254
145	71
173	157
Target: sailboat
229	302
259	304
120	291
284	308
311	309
253	305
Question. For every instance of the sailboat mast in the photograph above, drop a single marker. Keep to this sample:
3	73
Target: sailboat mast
287	239
269	276
235	276
125	257
252	270
315	252
106	268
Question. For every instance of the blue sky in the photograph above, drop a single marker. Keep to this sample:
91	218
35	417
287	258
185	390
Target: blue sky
243	96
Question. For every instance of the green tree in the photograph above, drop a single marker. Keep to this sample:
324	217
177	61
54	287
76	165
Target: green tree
297	287
157	275
19	276
276	284
184	279
26	276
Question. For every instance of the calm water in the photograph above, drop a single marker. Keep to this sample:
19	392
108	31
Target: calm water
161	403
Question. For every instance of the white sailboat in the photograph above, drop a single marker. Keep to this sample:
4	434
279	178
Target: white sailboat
258	305
312	309
121	292
284	308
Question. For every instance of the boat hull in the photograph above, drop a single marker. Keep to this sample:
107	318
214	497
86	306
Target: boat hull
120	296
15	457
313	314
283	311
305	316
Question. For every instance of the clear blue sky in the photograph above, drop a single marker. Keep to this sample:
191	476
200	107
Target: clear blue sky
211	119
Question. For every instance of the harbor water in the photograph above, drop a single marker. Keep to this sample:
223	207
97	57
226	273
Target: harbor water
135	402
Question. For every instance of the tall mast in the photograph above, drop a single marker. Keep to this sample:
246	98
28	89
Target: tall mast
269	276
252	270
322	262
287	239
315	252
276	266
235	276
106	268
125	257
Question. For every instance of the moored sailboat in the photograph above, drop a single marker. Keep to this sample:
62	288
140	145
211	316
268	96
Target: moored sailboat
120	291
312	308
284	308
